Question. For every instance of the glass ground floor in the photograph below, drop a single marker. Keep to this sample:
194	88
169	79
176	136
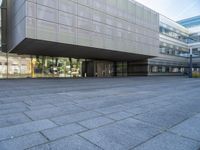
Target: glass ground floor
23	66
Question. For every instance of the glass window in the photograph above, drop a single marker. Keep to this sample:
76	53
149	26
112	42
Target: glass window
173	34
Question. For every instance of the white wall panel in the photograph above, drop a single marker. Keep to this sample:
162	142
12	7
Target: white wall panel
49	3
84	11
67	19
47	30
100	5
83	37
31	27
97	40
67	34
68	6
46	13
88	3
85	23
31	9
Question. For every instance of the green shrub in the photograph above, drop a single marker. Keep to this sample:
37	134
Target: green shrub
196	74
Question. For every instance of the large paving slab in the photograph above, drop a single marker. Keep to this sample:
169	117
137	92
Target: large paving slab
121	135
26	128
23	142
133	113
189	128
69	143
168	141
63	131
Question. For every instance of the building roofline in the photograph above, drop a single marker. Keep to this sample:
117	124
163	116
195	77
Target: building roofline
190	22
189	19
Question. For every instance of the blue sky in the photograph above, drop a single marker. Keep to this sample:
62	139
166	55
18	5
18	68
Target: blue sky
174	9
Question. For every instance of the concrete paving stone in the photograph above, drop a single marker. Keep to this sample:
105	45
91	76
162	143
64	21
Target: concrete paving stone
119	115
95	122
12	106
168	141
75	117
41	107
112	109
143	109
14	99
188	108
163	102
36	100
68	143
64	103
137	103
13	110
62	131
53	112
71	108
121	135
98	103
41	101
44	113
197	115
23	142
26	128
13	119
189	128
164	118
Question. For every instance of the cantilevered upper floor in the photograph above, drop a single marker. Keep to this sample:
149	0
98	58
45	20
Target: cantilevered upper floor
93	29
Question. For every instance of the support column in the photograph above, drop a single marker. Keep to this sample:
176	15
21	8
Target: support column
190	65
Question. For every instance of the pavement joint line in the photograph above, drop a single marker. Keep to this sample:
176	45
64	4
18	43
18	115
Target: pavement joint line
54	122
60	138
83	107
146	111
90	141
145	141
114	121
149	123
26	103
183	136
66	135
94	110
53	104
14	137
28	116
82	126
44	136
74	121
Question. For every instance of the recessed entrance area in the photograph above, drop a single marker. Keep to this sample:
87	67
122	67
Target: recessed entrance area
32	66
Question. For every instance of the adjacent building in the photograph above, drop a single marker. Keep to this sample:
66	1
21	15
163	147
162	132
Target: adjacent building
193	25
86	38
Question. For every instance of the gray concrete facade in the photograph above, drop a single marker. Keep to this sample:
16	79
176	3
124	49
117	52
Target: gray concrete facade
80	27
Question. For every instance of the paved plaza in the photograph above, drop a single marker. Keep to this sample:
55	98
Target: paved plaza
138	113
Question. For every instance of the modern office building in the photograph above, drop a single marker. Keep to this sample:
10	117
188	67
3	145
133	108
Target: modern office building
193	25
173	49
102	38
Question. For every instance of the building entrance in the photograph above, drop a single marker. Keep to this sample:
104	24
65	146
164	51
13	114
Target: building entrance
104	69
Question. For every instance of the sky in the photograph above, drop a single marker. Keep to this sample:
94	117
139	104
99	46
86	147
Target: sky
174	9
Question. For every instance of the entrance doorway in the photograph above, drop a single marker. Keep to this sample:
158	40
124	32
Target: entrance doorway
104	69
